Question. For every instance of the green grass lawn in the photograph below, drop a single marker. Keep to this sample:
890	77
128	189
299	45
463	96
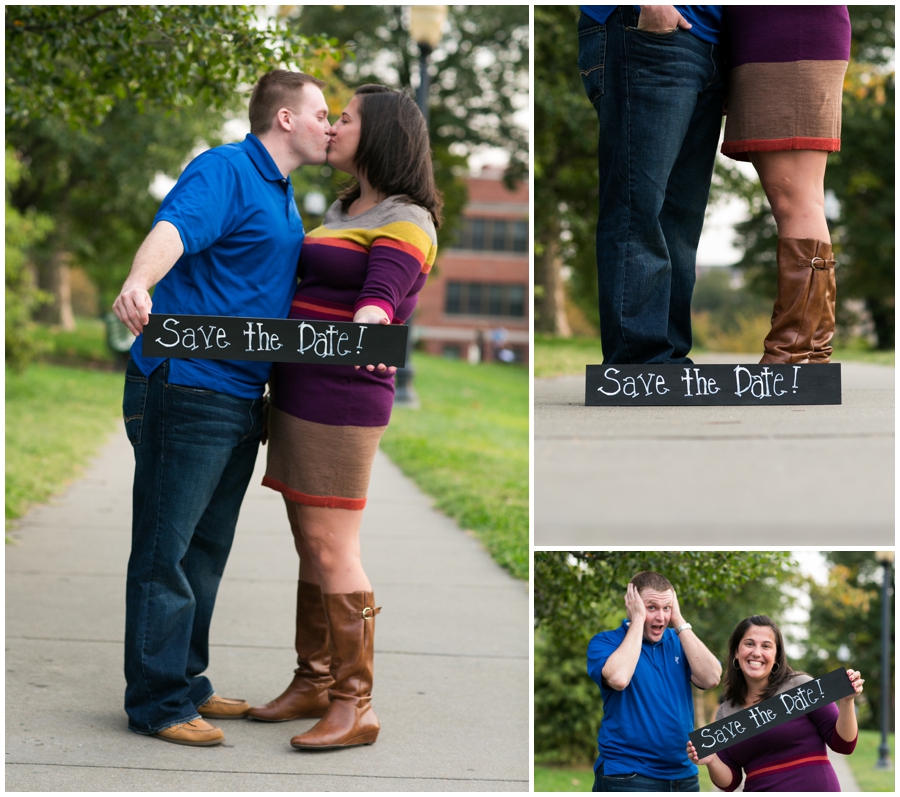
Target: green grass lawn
86	345
568	356
467	447
56	420
862	763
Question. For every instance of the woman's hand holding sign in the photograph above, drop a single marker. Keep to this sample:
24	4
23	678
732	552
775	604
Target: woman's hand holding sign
371	314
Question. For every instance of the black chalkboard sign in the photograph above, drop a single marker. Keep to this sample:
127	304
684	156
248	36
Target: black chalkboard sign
711	385
206	337
770	713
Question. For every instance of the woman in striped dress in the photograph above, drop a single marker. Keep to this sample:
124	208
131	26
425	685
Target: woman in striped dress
790	757
784	116
366	264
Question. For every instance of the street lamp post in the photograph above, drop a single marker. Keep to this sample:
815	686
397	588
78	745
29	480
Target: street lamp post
425	28
886	558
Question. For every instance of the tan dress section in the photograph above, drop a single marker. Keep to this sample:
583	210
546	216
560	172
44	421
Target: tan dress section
320	465
773	107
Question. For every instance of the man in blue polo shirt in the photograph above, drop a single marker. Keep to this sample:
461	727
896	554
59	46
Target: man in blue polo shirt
655	76
645	670
225	242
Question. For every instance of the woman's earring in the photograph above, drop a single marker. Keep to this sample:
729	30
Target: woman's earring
736	665
775	667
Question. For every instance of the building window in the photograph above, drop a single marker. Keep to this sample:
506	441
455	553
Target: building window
477	298
493	235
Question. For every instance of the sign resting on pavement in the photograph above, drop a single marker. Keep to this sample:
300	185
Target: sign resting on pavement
274	340
691	385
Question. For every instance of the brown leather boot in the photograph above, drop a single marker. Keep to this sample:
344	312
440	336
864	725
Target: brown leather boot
805	270
821	340
307	695
350	720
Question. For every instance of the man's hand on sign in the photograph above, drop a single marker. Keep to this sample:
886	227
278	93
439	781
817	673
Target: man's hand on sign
634	605
133	306
373	315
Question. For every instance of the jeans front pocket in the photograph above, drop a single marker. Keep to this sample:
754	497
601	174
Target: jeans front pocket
134	403
592	58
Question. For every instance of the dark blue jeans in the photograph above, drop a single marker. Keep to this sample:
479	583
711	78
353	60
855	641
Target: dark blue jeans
635	782
659	101
194	453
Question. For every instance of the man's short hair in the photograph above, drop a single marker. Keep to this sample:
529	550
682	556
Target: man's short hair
276	89
647	579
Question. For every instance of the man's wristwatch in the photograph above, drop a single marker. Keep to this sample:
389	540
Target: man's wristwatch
682	627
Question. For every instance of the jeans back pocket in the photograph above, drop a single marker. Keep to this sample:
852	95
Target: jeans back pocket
591	60
134	403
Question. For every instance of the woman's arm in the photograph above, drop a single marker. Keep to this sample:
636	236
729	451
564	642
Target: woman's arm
846	726
722	775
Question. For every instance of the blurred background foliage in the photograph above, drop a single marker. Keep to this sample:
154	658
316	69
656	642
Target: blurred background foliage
734	312
578	594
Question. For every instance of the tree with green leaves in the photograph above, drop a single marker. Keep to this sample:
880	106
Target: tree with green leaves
845	626
101	99
565	173
23	231
77	62
580	593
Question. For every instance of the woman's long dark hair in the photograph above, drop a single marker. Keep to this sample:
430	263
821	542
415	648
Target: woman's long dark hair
735	683
394	151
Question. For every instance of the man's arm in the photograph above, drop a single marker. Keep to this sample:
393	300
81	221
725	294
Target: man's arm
706	672
159	252
619	668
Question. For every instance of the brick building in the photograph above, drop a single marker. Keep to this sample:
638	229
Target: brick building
476	305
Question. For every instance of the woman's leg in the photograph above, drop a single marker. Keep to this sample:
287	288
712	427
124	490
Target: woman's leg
331	539
803	318
794	182
307	694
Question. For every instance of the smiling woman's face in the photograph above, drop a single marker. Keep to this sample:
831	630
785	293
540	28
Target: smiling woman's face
756	652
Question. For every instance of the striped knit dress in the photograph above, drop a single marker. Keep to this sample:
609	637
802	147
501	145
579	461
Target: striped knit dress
791	757
787	66
326	420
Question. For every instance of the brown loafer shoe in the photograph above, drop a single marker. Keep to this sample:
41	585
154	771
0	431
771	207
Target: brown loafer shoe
196	732
224	708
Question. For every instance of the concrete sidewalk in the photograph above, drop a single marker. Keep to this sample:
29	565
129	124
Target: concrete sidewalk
720	476
451	664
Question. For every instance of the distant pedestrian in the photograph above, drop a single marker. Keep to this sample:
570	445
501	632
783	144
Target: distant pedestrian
224	242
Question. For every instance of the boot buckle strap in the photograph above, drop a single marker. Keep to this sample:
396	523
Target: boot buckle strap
825	264
366	614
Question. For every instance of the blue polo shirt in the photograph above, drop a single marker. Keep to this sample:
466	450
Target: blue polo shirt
242	234
645	726
706	21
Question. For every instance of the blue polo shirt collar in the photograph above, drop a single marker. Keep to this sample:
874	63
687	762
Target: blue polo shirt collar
262	160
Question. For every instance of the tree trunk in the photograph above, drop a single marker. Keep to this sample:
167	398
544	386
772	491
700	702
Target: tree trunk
56	279
553	305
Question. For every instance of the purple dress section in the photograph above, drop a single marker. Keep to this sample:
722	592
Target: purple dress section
791	757
380	257
778	34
